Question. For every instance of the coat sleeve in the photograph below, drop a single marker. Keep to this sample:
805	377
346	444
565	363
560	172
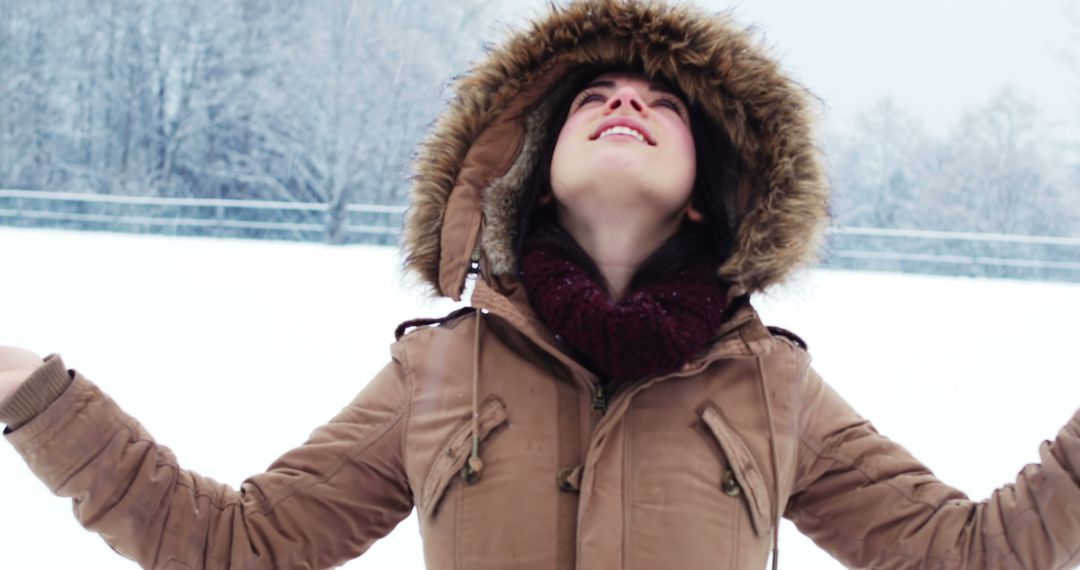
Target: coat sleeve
317	506
870	504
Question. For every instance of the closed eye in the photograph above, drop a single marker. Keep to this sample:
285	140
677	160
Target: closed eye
589	97
669	103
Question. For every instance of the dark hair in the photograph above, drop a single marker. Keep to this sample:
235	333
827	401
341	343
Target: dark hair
718	171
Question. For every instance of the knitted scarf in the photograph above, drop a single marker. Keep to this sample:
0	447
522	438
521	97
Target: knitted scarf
652	330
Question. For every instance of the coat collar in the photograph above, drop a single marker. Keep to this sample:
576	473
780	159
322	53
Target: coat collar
743	335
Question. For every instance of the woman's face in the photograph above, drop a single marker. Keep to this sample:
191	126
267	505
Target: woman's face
626	144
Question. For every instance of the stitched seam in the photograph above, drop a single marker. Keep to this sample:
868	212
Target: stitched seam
627	491
75	467
735	537
929	557
407	373
745	343
459	507
835	455
1070	560
220	506
198	495
342	460
271	505
934	507
850	464
735	457
464	425
299	485
116	493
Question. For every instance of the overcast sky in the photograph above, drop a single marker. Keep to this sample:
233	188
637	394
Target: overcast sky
935	59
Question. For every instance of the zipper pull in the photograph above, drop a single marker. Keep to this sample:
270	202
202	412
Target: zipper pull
474	266
598	402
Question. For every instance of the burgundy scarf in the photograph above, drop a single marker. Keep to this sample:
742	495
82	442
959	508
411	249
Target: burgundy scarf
654	329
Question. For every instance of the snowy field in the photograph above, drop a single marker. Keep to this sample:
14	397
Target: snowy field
231	352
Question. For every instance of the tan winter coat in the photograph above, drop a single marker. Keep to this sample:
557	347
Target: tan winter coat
689	470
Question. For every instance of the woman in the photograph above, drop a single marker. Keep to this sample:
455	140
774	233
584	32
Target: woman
620	180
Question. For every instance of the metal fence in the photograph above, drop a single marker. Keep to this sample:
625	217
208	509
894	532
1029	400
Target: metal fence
955	253
883	249
306	221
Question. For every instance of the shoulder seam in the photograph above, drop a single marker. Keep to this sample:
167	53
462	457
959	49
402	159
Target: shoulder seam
789	336
407	375
403	328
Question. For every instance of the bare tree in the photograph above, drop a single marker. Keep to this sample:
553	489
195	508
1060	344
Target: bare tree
879	169
999	172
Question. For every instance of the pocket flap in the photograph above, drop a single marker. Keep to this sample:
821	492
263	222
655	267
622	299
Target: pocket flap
744	467
450	460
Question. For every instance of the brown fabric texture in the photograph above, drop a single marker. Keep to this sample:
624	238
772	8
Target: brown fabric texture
653	491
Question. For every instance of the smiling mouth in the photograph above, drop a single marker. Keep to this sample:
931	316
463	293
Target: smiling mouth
628	128
625	131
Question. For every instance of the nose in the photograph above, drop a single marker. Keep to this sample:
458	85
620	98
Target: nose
627	95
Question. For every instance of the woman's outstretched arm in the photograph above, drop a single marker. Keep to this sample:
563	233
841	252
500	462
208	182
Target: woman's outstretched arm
317	506
869	503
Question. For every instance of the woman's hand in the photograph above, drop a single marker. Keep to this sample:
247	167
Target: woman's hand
16	365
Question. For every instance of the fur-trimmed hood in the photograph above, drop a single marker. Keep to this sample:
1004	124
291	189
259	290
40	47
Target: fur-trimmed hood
469	172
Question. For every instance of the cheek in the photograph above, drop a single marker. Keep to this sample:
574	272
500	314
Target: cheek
567	147
685	154
569	135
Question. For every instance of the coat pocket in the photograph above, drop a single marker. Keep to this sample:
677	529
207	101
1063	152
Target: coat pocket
448	463
744	476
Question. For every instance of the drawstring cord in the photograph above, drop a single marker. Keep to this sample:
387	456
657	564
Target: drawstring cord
471	471
775	468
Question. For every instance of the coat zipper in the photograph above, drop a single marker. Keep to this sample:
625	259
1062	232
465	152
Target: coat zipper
599	402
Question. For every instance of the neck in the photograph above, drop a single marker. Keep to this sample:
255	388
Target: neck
618	243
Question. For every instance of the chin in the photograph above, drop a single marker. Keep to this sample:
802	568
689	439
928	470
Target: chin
586	175
623	196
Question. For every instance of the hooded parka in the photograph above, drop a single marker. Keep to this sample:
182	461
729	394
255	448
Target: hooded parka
504	443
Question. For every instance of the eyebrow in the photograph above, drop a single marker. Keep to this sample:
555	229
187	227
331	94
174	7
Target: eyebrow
653	86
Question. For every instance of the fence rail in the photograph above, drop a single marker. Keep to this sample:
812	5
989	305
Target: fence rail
67	207
958	236
955	252
933	251
957	260
201	202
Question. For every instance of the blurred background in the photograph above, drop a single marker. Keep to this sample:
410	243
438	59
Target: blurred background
952	129
197	199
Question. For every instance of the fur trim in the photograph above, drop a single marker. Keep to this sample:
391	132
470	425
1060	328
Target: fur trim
783	195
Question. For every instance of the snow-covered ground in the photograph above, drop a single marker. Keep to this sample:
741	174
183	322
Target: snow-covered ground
231	352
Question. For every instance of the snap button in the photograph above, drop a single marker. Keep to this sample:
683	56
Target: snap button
470	472
730	485
569	479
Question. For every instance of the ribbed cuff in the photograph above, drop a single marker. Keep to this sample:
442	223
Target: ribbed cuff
1066	448
42	388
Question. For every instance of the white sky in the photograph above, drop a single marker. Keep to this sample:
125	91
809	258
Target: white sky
935	59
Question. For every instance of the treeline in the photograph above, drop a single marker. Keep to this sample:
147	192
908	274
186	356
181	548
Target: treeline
316	101
1001	168
323	102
